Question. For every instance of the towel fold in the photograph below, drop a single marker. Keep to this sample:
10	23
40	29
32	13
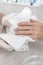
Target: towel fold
17	42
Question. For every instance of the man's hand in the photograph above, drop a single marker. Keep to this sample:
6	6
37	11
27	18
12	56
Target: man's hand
32	29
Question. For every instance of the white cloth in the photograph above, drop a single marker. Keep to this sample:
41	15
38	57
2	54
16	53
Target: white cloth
17	42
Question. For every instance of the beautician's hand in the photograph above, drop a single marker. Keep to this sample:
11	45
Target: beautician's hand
34	29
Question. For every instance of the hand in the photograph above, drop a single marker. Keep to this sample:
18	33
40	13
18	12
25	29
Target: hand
32	29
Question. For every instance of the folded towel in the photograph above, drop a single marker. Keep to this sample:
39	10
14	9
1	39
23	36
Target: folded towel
17	42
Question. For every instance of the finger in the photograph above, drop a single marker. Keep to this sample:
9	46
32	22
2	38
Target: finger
23	28
23	32
25	24
30	34
33	21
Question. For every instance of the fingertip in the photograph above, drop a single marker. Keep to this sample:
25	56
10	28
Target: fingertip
33	21
15	29
19	24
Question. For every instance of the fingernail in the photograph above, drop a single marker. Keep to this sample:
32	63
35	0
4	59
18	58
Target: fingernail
16	29
16	33
32	20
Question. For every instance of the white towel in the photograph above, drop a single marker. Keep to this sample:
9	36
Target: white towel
15	41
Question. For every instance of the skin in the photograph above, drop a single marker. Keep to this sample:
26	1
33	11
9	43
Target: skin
34	29
1	15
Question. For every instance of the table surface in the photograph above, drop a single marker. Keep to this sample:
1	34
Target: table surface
17	58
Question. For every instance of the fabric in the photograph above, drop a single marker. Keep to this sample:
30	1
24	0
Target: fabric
17	43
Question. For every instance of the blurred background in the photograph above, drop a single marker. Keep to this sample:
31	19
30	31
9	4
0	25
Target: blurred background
25	2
